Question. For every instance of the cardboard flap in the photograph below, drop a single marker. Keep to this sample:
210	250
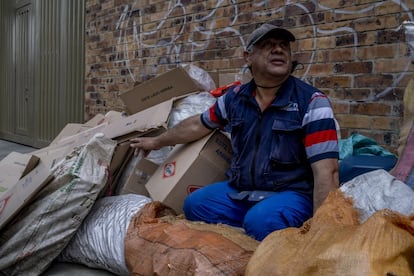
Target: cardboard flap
33	162
19	193
69	130
171	84
148	119
15	166
82	137
111	116
96	120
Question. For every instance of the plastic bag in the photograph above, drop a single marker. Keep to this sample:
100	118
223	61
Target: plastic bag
358	144
378	190
409	35
201	77
191	105
99	242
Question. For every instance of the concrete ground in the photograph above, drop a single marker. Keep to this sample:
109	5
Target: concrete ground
6	147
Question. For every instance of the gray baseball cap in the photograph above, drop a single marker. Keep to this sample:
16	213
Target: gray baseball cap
269	30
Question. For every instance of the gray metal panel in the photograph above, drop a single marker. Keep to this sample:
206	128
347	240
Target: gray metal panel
58	62
73	73
6	67
48	78
61	65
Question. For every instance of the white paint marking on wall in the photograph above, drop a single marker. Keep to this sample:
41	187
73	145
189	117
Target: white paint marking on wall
175	45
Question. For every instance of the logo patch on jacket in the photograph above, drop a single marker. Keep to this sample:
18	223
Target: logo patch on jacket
291	107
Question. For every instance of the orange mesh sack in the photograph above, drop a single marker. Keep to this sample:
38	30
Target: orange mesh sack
334	243
160	243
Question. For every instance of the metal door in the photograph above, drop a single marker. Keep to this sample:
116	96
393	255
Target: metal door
41	68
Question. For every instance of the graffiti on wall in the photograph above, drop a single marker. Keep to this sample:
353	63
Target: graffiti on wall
205	25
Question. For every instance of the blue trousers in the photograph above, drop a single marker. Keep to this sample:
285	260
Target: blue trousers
212	204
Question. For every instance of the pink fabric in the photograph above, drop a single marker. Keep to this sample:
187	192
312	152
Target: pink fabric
404	169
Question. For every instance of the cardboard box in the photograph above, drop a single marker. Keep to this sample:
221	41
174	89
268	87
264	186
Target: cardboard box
141	123
151	104
55	152
15	195
147	122
189	167
122	152
69	130
176	82
141	171
74	128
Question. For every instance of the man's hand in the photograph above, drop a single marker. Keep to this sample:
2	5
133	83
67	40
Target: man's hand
144	144
186	131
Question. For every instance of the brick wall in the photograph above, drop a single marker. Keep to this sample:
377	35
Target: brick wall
352	50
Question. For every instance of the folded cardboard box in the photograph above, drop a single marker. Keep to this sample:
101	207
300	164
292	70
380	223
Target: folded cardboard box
71	129
189	167
147	122
174	83
149	104
137	176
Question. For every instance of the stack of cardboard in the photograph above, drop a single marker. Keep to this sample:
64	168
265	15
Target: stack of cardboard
149	105
21	176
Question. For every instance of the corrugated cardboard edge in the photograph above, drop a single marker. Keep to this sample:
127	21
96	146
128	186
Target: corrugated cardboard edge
13	200
144	96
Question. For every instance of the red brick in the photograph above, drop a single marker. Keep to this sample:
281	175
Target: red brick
387	7
378	109
353	67
385	123
377	51
320	69
394	65
358	94
354	121
369	80
333	81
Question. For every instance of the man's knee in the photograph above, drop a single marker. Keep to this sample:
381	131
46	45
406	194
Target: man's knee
191	206
260	222
200	205
212	205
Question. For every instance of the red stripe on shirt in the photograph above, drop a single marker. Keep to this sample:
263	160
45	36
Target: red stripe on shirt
213	116
320	137
318	96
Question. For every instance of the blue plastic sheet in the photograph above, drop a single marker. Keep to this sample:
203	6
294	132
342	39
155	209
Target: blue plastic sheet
358	144
359	154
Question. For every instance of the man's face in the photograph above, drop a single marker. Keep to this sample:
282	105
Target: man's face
270	57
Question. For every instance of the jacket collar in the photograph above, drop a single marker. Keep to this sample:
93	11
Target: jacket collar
283	96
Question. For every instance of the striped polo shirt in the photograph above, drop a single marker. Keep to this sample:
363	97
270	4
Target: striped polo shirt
273	148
